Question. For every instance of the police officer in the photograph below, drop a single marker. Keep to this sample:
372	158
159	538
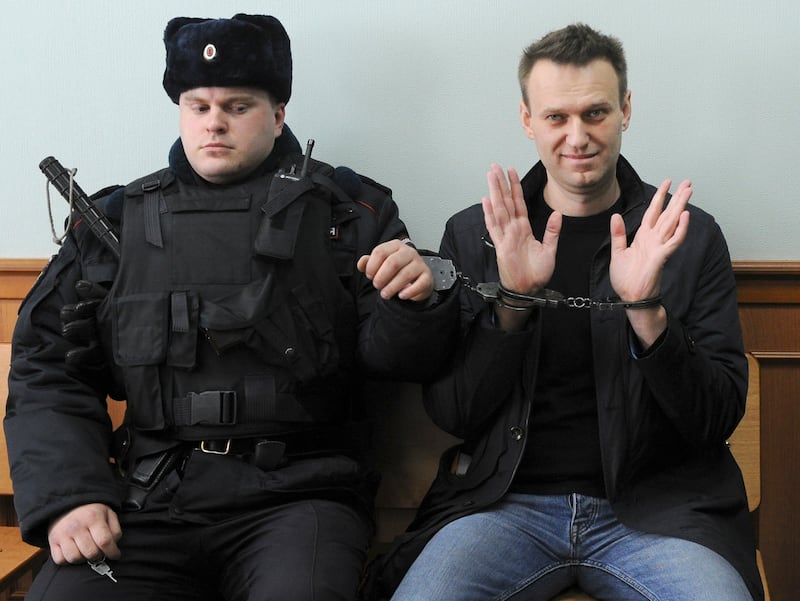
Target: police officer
254	289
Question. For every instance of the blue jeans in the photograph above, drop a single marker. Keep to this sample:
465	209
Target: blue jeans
532	547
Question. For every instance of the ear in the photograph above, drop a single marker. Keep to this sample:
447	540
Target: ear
525	118
626	111
280	118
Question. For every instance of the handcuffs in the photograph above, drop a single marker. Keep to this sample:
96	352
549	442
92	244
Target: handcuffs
445	276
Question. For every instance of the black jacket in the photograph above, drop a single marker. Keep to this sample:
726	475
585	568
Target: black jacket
57	426
663	417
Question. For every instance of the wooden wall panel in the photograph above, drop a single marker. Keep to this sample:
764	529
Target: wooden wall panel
16	278
769	308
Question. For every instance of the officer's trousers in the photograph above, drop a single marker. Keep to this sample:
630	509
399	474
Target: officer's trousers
301	550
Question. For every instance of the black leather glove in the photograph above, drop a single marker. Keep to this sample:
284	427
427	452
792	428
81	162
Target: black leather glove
79	326
87	359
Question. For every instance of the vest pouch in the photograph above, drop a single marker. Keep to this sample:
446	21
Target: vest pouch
299	333
208	240
141	328
277	235
184	327
311	317
344	240
140	336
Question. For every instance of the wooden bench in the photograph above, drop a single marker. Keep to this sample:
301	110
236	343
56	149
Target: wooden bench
407	449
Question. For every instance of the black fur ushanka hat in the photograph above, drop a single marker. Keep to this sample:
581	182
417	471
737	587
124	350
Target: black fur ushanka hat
243	51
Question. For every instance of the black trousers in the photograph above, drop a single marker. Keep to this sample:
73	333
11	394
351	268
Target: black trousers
302	550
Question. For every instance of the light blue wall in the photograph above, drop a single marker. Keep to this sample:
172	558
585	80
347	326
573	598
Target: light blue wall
420	95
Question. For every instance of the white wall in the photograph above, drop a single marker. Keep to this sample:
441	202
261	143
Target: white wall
420	95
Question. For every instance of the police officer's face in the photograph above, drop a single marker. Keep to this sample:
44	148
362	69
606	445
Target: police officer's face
228	132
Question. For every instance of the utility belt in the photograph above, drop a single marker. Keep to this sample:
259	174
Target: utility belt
264	453
269	453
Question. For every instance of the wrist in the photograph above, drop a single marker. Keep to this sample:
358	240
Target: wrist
648	324
509	317
515	301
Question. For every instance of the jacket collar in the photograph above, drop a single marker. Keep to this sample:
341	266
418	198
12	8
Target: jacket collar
286	144
631	186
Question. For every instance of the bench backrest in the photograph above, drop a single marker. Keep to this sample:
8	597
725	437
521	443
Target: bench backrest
5	362
408	445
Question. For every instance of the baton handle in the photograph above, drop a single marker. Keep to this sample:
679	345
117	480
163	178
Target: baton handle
101	227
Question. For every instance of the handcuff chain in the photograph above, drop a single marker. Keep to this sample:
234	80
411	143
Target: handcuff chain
493	292
445	275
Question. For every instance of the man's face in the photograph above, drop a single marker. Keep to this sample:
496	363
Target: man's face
228	132
575	117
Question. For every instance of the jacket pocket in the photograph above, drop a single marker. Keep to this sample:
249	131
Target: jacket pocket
315	329
298	335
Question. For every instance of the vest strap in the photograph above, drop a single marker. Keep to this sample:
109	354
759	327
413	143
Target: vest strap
152	214
234	413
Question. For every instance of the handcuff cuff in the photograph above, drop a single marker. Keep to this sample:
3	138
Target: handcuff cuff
445	275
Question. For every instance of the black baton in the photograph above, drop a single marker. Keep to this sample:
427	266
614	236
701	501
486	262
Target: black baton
61	180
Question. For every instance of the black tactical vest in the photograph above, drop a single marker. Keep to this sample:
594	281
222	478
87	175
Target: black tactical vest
228	314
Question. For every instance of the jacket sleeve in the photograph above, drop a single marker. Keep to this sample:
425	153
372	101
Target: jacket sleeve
57	426
697	375
401	340
487	363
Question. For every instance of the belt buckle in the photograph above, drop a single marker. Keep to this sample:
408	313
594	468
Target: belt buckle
205	448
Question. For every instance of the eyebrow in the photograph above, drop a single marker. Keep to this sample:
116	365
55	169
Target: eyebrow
590	107
244	97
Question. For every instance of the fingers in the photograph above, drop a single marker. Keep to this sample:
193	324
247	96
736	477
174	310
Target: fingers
653	212
107	536
672	223
636	268
656	213
552	231
77	311
681	230
499	189
86	532
396	269
85	359
619	238
90	290
505	201
80	331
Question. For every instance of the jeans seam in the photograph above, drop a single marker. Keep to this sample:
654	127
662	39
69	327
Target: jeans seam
587	522
573	529
523	584
619	575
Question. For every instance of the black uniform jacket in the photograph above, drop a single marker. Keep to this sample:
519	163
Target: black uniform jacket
57	426
664	417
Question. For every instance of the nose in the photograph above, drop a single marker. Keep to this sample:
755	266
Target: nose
215	120
577	134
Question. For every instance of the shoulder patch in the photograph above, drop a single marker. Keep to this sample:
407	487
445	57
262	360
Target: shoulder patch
356	185
371	182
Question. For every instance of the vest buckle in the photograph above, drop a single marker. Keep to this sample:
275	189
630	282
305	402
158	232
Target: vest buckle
213	407
216	447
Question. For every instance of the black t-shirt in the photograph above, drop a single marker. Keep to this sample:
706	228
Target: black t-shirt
563	448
